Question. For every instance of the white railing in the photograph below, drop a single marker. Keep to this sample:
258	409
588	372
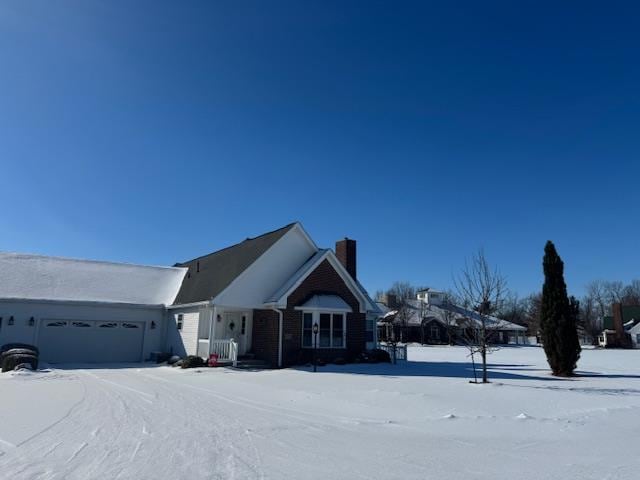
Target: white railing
227	350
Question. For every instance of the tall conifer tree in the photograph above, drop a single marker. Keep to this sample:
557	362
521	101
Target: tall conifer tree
558	322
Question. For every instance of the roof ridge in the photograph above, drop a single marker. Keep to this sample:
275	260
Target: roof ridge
86	260
290	225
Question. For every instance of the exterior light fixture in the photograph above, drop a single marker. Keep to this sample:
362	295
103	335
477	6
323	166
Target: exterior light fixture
10	320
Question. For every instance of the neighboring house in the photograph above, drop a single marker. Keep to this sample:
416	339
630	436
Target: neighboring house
620	328
430	319
263	295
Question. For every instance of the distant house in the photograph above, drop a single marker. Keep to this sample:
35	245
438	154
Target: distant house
262	296
430	319
621	328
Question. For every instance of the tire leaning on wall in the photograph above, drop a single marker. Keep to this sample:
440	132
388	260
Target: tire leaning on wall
11	346
17	351
10	362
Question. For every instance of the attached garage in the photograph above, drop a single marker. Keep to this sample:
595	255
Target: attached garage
85	311
79	341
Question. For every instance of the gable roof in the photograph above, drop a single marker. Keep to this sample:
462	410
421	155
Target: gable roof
39	277
281	294
218	269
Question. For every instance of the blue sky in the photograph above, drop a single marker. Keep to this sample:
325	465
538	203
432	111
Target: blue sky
155	132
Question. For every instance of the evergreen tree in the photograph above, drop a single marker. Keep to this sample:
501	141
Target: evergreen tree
558	322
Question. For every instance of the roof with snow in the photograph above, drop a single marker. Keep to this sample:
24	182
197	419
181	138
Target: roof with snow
38	277
419	311
326	302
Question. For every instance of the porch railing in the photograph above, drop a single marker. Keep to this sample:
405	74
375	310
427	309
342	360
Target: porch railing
227	350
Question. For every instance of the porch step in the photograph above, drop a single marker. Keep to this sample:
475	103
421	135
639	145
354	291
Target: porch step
252	364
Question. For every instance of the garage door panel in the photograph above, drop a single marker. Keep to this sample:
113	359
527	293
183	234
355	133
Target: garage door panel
79	341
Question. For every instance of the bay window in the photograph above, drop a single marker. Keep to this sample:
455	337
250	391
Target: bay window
331	329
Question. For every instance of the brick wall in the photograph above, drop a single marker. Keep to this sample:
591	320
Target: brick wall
323	280
265	336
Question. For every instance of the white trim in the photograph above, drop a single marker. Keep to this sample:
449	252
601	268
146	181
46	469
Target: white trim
81	302
280	327
306	236
245	272
340	270
188	305
315	318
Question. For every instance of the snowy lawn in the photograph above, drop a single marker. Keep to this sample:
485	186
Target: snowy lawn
421	420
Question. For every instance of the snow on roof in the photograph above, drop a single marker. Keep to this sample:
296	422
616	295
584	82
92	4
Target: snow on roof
419	310
326	302
38	277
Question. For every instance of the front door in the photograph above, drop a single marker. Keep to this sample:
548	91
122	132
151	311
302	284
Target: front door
235	326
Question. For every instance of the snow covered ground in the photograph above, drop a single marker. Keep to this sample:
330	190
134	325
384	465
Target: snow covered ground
419	420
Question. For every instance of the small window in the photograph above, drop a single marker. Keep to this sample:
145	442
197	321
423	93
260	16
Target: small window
243	327
130	325
80	324
338	330
325	330
307	330
57	324
435	332
108	325
180	321
10	322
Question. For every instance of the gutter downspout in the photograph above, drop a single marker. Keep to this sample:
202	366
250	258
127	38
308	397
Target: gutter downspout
280	324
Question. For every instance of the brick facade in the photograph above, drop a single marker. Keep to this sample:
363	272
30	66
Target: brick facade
265	336
323	280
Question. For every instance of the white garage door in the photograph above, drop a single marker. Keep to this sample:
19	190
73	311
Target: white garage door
77	341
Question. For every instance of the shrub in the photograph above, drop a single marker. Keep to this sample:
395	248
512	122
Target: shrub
379	355
10	362
339	361
192	361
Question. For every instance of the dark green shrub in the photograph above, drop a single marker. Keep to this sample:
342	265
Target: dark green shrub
192	361
379	355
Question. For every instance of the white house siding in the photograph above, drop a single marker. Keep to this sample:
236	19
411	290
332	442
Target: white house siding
43	311
185	341
267	273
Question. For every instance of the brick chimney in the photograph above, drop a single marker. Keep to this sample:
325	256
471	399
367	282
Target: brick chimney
346	253
618	324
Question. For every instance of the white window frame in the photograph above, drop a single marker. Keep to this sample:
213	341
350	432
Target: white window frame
315	318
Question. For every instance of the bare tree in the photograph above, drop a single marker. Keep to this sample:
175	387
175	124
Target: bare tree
402	291
449	316
481	289
589	318
596	291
